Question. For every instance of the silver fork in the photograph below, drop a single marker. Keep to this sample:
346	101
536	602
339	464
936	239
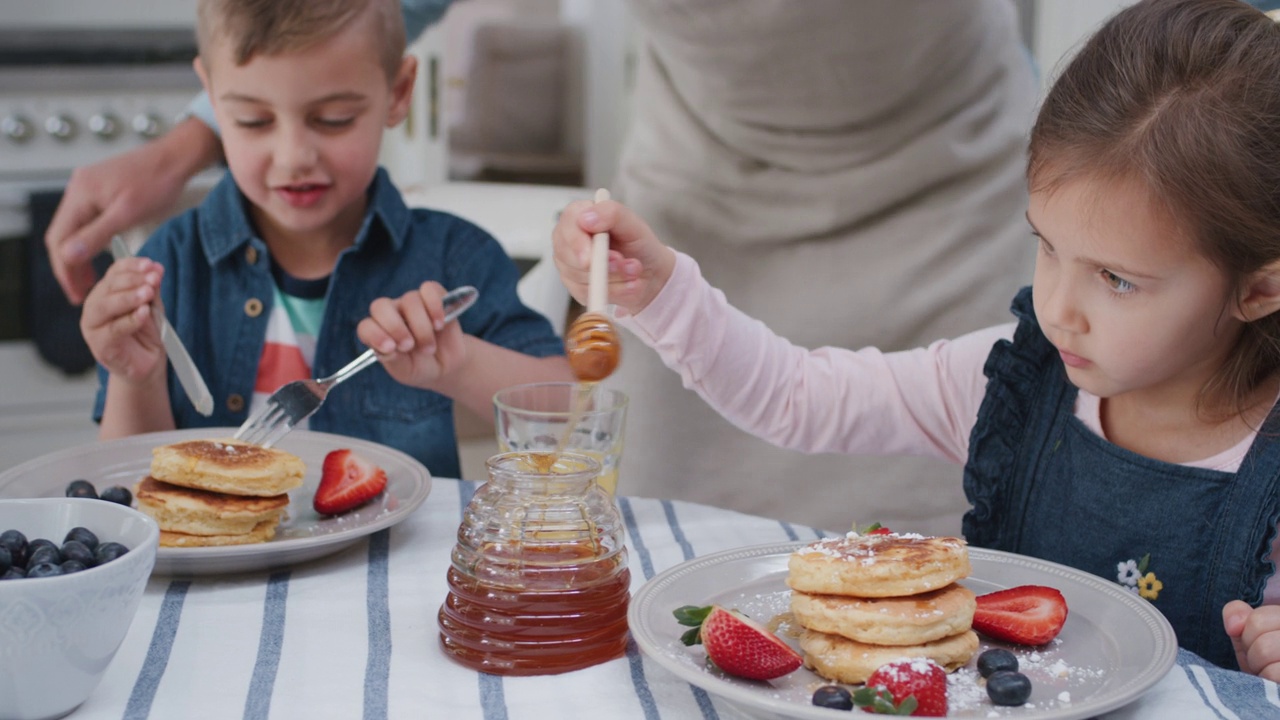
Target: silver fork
296	401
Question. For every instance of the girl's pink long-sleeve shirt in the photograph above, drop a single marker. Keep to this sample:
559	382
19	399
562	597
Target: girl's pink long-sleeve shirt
917	402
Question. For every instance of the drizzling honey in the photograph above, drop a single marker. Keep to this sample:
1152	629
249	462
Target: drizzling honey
592	347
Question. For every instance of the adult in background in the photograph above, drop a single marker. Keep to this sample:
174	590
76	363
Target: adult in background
818	159
850	173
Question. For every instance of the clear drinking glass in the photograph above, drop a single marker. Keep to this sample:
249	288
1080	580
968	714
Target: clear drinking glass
536	417
538	582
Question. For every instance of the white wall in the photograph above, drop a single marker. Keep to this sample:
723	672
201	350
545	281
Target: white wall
102	14
1060	26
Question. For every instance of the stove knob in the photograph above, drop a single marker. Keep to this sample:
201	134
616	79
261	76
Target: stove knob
104	125
61	127
147	125
17	128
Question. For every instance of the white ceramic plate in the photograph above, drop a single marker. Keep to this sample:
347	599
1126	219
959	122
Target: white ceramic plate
303	535
1113	647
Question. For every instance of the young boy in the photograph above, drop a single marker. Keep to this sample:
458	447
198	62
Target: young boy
305	251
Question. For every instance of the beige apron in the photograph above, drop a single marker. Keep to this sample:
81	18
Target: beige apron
851	173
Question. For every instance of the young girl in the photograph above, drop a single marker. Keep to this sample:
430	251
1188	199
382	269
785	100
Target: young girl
1123	425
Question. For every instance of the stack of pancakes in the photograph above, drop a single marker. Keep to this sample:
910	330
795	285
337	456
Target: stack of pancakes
217	492
867	600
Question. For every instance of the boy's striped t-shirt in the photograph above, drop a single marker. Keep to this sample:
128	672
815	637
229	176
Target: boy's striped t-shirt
292	328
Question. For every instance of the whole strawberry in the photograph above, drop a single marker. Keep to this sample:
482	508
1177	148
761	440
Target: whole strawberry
914	687
737	644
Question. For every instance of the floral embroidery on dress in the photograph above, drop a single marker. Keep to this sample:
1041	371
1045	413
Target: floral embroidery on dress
1135	578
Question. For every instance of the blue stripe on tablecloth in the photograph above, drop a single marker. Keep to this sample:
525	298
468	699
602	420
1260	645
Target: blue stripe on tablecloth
258	703
643	693
634	660
377	670
144	688
1228	694
493	699
637	542
677	532
669	509
790	531
1204	696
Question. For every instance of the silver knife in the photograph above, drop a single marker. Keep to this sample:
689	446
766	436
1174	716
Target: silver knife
183	366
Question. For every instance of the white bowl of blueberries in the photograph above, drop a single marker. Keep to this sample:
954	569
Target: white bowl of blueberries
72	572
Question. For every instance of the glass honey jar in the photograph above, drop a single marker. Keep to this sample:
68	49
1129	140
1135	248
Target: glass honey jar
538	581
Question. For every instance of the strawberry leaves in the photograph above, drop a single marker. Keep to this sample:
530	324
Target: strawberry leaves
737	644
693	616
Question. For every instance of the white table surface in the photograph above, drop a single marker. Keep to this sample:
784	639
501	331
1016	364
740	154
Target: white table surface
354	635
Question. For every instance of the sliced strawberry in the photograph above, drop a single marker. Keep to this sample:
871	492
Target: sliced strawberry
1026	614
918	687
737	644
347	481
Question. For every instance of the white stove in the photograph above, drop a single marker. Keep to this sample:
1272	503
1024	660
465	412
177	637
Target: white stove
80	80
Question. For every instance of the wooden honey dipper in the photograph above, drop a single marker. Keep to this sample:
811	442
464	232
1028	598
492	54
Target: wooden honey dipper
592	344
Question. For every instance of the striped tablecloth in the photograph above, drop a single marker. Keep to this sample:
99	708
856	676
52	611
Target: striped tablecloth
354	636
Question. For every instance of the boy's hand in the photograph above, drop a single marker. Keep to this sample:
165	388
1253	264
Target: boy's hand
411	338
639	264
118	325
1255	633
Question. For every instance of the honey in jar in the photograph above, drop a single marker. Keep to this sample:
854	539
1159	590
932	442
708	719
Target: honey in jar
538	581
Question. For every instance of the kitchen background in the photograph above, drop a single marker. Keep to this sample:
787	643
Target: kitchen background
518	110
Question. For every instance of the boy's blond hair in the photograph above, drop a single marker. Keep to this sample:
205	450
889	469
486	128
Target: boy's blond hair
269	27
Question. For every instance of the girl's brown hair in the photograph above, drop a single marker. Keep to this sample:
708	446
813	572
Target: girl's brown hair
269	27
1183	96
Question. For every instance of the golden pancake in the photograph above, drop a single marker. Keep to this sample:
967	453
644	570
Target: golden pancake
848	661
908	620
227	466
878	566
200	512
263	532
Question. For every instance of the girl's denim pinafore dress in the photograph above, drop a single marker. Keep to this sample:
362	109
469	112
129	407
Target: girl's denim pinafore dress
1042	484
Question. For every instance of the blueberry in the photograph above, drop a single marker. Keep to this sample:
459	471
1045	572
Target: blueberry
84	535
996	659
82	489
13	573
42	555
118	494
38	543
109	551
78	551
72	566
1007	687
44	569
6	559
834	697
17	544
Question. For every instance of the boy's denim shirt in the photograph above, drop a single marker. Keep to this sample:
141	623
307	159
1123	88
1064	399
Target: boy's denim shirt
217	292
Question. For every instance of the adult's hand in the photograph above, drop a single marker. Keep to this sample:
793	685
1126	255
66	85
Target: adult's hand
120	192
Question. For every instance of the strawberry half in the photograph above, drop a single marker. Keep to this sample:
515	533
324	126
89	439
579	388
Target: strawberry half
918	687
1026	614
347	481
737	644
